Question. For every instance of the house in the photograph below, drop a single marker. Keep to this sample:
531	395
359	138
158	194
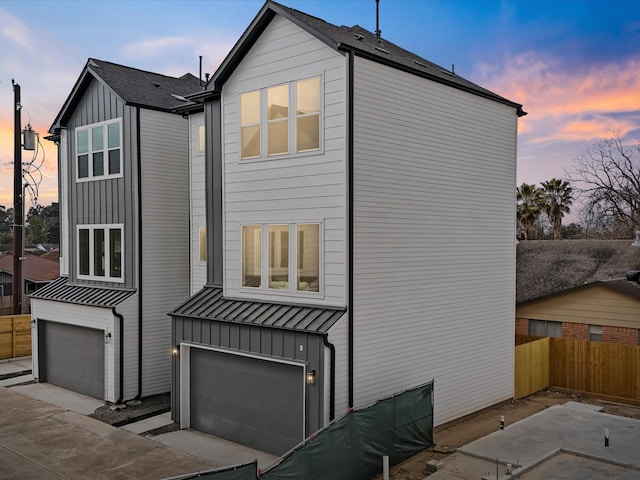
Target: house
578	289
38	272
101	329
360	205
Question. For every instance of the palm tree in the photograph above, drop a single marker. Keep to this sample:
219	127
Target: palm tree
529	207
557	198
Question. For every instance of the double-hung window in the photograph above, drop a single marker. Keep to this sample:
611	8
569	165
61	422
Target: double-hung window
280	119
281	257
100	252
99	150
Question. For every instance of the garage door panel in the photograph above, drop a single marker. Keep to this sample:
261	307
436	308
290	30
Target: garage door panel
248	400
73	357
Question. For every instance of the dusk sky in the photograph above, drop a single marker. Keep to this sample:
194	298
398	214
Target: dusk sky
574	65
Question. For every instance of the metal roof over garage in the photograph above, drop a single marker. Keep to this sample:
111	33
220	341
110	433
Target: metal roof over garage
209	303
61	291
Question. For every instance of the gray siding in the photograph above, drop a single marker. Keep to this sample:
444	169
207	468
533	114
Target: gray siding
279	343
63	199
434	246
108	200
164	140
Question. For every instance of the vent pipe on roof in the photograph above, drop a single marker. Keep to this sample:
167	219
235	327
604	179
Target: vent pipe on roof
633	276
636	243
378	31
200	75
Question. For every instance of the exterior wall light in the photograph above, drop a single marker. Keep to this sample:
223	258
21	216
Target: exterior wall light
311	377
175	350
108	337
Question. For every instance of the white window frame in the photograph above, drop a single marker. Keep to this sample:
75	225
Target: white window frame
292	121
105	150
107	260
293	260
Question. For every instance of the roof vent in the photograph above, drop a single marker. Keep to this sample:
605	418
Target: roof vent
636	243
380	49
357	36
633	276
447	72
421	64
179	97
155	84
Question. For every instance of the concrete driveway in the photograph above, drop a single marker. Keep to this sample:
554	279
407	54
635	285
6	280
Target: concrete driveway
40	440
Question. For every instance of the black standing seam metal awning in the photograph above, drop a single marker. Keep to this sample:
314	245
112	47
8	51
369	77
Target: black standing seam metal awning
61	291
210	304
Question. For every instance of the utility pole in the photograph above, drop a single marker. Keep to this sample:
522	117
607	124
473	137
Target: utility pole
18	207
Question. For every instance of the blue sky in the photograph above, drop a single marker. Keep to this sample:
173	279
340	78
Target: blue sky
574	65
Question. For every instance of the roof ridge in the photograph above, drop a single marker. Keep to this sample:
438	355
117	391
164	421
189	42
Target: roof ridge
182	77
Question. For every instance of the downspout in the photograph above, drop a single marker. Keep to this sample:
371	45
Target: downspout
121	346
139	167
332	379
350	218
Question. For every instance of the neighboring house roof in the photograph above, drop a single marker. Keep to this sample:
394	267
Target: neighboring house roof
53	255
135	87
547	267
36	268
62	291
209	304
342	38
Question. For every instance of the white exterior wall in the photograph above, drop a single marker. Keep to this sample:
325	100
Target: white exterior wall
288	188
434	246
165	239
84	316
197	190
63	198
338	336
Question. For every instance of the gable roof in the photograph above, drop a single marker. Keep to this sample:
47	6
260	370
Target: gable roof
134	87
36	268
547	267
210	304
343	39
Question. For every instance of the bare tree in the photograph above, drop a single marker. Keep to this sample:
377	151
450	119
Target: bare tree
607	176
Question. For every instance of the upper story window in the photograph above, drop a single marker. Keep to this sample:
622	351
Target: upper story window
201	138
281	257
99	150
281	119
100	252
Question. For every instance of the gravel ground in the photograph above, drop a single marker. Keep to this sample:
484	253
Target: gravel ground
119	415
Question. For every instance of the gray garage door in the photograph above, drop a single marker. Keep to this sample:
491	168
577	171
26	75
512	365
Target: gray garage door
254	402
72	357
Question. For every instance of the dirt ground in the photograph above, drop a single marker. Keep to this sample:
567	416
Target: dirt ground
472	427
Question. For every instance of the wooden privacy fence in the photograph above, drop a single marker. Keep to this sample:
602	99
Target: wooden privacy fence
595	367
15	336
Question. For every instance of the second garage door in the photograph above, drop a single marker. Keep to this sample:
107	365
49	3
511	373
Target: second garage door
252	401
72	357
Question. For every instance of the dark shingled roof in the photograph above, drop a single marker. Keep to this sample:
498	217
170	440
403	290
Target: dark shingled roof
210	304
135	87
62	291
343	38
546	267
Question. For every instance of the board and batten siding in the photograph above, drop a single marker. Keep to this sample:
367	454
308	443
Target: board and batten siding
164	154
434	244
594	305
287	188
105	201
197	201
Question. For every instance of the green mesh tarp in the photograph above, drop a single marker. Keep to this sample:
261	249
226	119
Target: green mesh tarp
353	446
248	471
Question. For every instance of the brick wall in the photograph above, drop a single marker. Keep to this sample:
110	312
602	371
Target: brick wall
522	326
575	330
622	335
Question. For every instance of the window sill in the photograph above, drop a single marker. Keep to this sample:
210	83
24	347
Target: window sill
284	156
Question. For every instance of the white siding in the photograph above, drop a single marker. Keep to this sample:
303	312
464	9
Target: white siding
307	188
164	161
84	316
197	189
63	198
339	337
434	247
